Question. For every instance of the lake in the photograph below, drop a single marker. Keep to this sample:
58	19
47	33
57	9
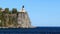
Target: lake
37	30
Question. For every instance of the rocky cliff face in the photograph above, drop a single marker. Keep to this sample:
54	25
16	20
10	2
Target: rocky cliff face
23	19
15	20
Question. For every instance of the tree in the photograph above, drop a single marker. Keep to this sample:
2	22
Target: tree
14	10
0	16
6	10
10	12
0	11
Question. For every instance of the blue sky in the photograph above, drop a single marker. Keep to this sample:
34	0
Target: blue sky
41	12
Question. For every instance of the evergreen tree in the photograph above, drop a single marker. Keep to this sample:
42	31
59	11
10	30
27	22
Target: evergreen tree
14	10
9	12
6	10
0	10
0	16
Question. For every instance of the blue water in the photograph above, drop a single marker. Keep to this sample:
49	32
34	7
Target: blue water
38	30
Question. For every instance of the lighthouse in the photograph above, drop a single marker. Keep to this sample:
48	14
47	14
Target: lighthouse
23	19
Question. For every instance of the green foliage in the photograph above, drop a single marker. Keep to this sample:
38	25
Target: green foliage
2	14
14	10
9	12
0	8
0	11
6	10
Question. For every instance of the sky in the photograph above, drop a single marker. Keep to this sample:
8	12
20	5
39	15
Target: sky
41	12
